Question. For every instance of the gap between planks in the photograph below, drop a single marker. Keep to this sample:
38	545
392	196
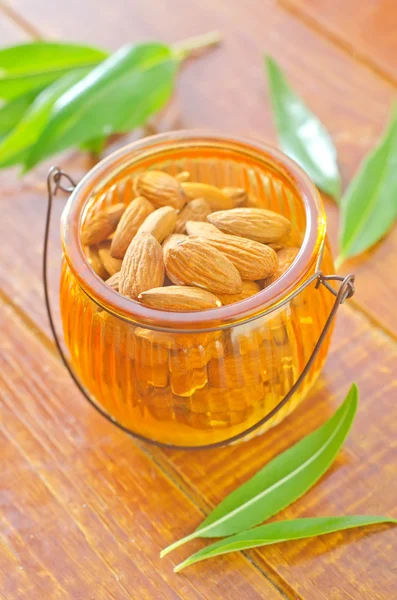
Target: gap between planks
20	21
313	24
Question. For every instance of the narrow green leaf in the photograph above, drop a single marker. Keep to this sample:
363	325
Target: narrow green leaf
301	135
369	206
282	531
116	96
12	112
280	482
33	66
14	148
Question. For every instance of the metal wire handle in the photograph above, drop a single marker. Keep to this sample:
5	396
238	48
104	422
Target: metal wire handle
345	291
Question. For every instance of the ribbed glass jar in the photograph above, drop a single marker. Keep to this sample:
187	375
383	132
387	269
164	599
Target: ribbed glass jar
200	378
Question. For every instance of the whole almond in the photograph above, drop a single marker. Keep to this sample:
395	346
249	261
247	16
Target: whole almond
252	259
238	195
173	239
160	188
95	262
286	257
114	281
213	195
112	265
196	210
258	224
201	265
179	297
200	228
160	223
143	266
102	224
132	219
249	289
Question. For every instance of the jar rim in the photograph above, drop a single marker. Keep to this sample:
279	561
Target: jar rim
266	300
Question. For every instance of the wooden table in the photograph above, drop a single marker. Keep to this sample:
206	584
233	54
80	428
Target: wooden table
86	509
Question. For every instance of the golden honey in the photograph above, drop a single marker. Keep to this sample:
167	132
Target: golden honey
195	379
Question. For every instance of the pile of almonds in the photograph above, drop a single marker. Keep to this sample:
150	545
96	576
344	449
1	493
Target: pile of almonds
186	246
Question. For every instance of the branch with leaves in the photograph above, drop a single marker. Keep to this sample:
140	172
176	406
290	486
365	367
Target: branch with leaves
59	96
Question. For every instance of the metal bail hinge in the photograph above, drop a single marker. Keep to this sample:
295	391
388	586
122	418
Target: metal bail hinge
54	182
346	289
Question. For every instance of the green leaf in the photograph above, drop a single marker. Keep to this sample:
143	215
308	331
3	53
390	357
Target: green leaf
280	482
369	206
282	531
116	96
14	148
301	135
12	112
33	66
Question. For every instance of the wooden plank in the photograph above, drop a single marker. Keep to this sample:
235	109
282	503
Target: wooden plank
367	29
85	512
94	461
210	94
354	564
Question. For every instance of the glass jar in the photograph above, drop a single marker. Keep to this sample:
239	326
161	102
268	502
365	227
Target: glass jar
201	378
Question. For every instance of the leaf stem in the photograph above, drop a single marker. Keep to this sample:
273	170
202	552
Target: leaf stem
178	543
201	42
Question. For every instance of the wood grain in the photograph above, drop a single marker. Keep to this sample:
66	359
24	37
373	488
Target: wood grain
367	29
85	512
85	509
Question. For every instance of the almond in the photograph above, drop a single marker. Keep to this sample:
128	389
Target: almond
132	219
143	266
160	223
256	224
160	188
95	262
238	195
213	195
200	228
286	257
249	289
251	259
179	297
195	263
196	210
114	281
112	265
102	224
173	239
183	176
